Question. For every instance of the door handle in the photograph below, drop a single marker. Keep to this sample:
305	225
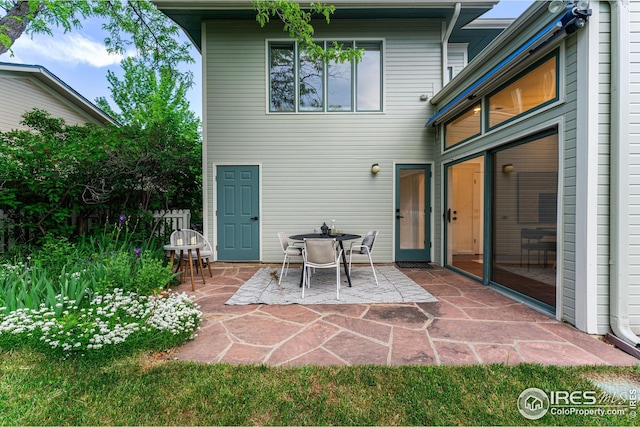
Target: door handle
399	216
255	218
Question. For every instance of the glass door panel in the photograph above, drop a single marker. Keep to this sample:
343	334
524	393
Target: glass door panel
525	193
412	208
464	216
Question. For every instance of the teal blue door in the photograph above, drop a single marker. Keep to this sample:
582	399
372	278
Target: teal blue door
413	212
238	213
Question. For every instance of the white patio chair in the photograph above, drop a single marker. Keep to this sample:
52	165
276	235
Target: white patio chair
187	236
364	249
289	250
321	253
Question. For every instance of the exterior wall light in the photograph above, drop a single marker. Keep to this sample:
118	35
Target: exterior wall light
375	168
507	168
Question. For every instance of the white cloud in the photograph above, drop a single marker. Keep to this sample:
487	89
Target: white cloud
70	48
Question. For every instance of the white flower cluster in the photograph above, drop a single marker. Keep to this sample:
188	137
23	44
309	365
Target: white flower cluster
11	268
107	321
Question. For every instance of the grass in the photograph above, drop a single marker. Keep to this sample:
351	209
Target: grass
147	390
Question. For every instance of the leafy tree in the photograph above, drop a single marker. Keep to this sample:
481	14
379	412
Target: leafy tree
146	97
128	23
155	102
297	22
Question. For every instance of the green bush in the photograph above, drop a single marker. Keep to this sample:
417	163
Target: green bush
133	271
55	255
54	171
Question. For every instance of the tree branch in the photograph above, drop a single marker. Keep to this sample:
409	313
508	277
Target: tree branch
15	22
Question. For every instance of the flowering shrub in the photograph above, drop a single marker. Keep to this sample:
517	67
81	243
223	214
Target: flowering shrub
109	324
97	297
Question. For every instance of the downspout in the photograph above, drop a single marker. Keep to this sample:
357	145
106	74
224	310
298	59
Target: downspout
445	43
624	337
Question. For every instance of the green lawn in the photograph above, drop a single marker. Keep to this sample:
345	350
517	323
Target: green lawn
147	390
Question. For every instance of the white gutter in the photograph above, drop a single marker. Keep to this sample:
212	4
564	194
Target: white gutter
445	42
620	171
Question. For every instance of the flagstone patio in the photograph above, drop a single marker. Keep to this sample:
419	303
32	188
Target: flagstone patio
469	324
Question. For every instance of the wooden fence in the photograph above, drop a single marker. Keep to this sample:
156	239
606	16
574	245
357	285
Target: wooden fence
168	221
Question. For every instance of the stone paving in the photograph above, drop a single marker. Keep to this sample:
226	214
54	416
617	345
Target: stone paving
469	324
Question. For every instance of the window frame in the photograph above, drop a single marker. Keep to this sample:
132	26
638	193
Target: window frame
269	80
326	109
357	78
352	84
534	66
483	99
479	105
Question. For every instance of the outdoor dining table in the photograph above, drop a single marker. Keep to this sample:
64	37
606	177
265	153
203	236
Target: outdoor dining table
189	248
339	237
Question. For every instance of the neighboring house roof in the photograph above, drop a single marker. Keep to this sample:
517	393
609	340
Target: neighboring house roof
41	83
190	13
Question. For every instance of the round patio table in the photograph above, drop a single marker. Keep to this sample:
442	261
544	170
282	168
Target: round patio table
339	237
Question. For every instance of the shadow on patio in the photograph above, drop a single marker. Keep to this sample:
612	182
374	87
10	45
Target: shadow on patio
469	324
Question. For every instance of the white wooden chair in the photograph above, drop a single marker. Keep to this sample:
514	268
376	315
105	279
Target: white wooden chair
187	236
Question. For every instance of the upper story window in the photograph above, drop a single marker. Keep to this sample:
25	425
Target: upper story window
463	127
298	84
533	89
528	91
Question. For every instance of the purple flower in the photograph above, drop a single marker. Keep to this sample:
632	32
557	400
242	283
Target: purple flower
137	251
123	218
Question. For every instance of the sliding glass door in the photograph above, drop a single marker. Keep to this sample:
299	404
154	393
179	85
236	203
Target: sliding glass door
518	198
524	207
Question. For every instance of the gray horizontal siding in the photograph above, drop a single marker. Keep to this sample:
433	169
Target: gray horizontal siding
316	166
604	170
634	172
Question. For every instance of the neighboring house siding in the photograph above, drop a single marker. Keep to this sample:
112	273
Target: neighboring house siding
634	140
26	94
327	155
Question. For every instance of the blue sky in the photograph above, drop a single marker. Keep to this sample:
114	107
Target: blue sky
80	60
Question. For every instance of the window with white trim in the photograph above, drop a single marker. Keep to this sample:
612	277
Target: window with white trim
298	84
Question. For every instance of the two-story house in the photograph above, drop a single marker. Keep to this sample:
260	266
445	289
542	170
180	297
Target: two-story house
508	155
